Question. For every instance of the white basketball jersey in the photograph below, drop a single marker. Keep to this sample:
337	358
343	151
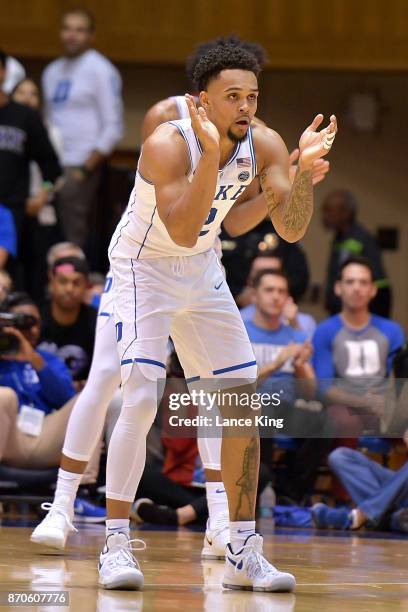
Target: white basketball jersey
141	234
182	107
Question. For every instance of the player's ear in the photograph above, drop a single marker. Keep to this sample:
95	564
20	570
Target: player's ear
203	98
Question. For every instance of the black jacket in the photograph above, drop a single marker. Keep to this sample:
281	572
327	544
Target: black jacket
23	138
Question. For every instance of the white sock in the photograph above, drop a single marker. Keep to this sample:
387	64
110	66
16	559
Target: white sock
66	490
239	532
216	500
116	525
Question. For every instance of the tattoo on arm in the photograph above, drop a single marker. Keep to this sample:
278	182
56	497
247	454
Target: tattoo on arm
269	195
296	207
299	208
248	481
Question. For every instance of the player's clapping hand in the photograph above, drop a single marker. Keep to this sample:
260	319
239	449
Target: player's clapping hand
320	167
313	144
205	130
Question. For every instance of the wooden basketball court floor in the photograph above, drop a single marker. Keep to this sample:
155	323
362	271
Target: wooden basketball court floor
335	573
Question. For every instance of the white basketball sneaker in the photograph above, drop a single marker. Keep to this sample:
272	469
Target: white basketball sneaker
56	525
249	570
118	569
216	539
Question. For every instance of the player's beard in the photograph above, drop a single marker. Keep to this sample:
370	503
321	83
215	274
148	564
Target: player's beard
234	137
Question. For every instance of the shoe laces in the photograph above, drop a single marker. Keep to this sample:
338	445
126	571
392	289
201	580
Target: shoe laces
255	563
221	523
55	510
122	554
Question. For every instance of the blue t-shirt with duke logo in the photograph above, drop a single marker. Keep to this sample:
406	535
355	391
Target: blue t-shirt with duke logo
267	344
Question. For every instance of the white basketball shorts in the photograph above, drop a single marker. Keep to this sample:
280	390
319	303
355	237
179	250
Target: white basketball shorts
188	299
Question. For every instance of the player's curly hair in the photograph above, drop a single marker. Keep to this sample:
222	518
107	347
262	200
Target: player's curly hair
223	57
257	50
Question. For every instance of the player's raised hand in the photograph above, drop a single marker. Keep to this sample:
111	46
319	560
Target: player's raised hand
313	144
205	130
320	167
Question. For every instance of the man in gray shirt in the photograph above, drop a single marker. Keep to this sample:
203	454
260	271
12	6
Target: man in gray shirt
82	92
354	350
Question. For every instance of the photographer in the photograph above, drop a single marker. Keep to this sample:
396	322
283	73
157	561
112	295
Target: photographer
39	378
35	408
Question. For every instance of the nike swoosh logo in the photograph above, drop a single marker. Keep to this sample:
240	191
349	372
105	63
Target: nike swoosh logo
209	541
216	287
244	531
220	490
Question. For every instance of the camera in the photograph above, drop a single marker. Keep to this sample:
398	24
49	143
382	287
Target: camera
9	343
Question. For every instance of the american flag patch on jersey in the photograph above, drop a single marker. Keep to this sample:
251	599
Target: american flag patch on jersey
243	162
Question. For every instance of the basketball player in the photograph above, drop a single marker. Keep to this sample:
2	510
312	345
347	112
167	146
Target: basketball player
88	416
167	281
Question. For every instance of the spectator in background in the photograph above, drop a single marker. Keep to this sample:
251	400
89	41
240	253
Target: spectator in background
6	285
68	325
380	494
282	353
339	213
290	314
23	138
15	73
239	251
44	380
28	93
63	249
96	281
283	357
36	400
40	229
82	92
353	352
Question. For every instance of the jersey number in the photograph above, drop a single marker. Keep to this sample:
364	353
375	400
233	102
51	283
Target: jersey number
211	216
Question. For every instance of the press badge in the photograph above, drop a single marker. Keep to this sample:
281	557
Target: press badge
30	420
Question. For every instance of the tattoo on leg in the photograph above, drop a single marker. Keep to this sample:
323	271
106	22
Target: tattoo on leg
248	481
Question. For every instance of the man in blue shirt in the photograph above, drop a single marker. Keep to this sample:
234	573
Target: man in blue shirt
33	425
282	352
353	352
283	355
40	379
271	260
